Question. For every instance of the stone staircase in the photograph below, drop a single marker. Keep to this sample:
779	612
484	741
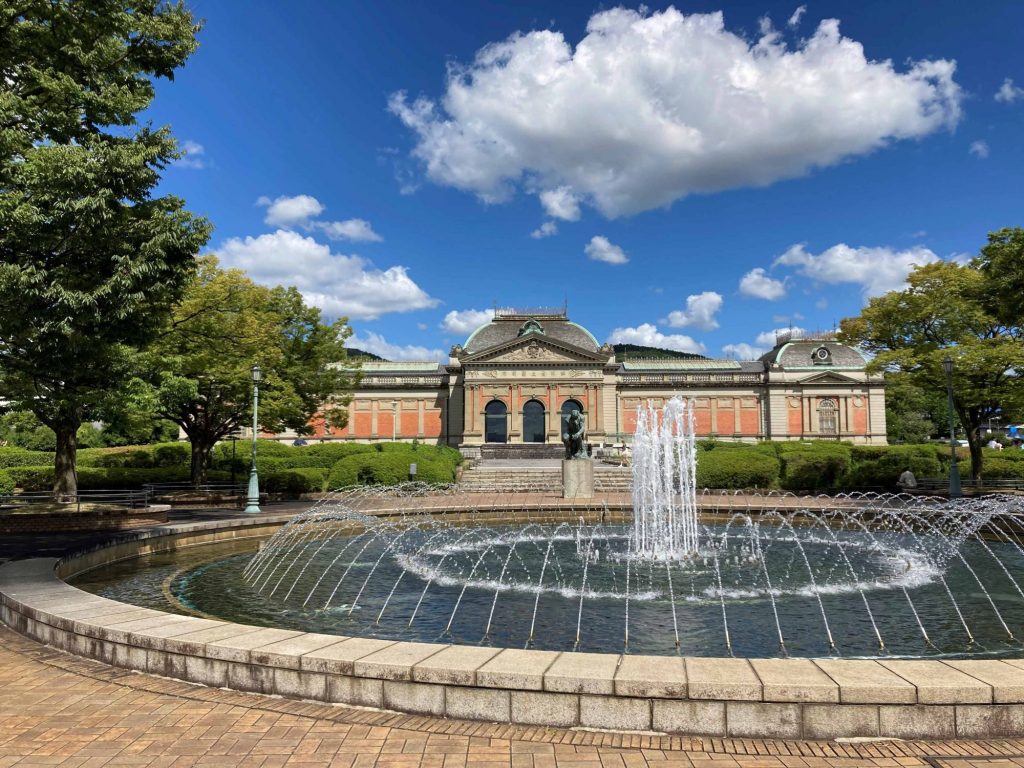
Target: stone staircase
527	451
482	478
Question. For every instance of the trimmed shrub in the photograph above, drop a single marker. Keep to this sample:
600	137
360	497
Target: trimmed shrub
813	466
295	481
19	457
737	468
6	483
880	466
390	468
331	453
32	478
999	468
172	454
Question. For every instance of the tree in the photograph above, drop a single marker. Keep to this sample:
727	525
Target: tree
91	259
949	309
200	368
910	414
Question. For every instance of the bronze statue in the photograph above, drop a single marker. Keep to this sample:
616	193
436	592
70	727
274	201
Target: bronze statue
574	437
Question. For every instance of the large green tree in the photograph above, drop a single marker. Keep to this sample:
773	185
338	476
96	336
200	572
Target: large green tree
200	367
90	258
950	309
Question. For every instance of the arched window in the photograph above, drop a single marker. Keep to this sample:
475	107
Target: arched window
495	423
828	417
568	407
533	422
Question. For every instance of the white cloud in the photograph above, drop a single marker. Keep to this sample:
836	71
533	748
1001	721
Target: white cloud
648	335
193	157
463	321
1008	93
821	303
767	338
756	283
547	229
787	318
378	345
422	326
357	230
700	312
650	108
798	14
743	351
979	149
560	203
876	270
338	284
301	211
287	211
600	249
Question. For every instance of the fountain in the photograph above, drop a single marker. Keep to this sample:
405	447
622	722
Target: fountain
856	575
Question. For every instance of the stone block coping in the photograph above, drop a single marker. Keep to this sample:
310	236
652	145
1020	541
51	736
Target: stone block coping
723	697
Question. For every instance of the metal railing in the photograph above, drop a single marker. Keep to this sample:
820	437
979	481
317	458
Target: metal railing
942	484
185	488
108	498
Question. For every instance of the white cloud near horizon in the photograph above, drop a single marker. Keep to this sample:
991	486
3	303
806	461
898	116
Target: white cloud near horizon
601	249
338	284
649	108
743	351
876	270
764	342
301	212
700	312
767	338
1009	93
648	335
378	345
758	285
463	321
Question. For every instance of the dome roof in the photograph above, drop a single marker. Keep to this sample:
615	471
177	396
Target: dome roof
803	353
505	328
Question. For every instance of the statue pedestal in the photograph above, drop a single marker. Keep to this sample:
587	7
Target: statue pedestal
577	478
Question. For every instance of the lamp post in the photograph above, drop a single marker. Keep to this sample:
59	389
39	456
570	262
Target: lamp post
954	470
252	501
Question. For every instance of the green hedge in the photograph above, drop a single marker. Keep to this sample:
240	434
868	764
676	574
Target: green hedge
19	457
881	466
295	481
737	468
391	467
813	466
137	457
6	483
998	468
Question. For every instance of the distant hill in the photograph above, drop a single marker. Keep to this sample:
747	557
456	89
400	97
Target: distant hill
635	351
362	354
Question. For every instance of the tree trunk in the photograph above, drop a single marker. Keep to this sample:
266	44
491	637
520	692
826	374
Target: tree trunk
200	460
974	440
65	474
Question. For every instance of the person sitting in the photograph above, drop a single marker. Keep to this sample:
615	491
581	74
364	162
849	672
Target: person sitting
993	443
907	481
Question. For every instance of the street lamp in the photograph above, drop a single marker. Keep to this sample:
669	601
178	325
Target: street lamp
252	501
954	470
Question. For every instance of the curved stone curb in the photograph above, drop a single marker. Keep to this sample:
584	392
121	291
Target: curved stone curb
746	698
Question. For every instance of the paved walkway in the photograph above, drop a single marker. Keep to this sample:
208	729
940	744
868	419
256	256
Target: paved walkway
57	709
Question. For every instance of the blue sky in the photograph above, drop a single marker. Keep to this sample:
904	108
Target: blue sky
680	179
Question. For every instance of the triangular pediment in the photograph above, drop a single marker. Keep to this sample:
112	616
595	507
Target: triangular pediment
535	348
828	377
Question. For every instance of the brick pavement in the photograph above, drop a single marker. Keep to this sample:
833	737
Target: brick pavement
57	709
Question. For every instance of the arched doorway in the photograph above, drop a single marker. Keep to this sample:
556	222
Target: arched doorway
533	422
568	407
495	422
828	418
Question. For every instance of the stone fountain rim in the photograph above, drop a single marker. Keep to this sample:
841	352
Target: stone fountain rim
736	697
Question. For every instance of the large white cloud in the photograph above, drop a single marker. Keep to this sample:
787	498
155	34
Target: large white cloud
767	338
600	248
650	108
378	345
876	270
464	321
743	351
561	203
757	284
700	312
648	335
338	284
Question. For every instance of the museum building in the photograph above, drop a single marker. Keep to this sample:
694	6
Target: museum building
518	376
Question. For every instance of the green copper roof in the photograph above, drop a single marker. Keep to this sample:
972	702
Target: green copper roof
669	364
